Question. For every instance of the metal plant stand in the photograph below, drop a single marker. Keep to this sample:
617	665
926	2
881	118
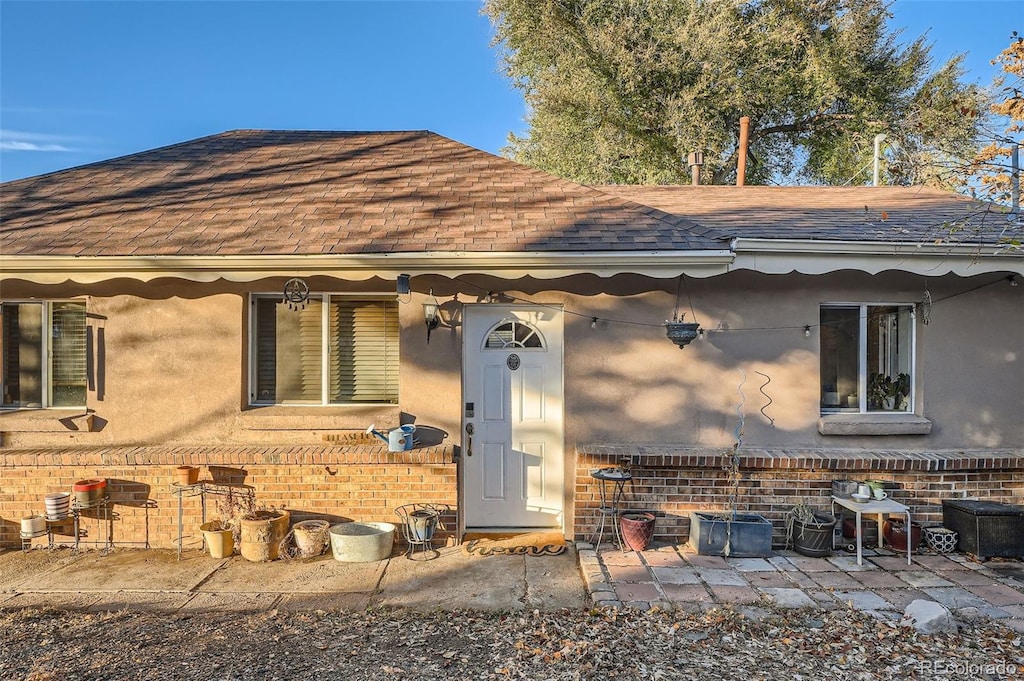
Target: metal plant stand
102	507
419	523
201	489
616	478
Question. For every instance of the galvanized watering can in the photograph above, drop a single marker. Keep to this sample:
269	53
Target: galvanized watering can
397	439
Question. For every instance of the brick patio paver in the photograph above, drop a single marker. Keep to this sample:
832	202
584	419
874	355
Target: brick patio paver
721	577
969	577
750	564
772	580
616	557
735	595
863	600
663	559
676	575
922	578
812	564
629	573
686	593
879	579
645	592
954	597
998	594
782	563
788	598
893	563
849	564
835	580
940	563
901	598
706	561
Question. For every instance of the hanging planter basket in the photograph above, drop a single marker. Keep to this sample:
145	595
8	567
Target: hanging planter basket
681	333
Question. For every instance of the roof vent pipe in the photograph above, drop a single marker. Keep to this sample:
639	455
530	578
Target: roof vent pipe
1015	178
741	164
878	158
695	160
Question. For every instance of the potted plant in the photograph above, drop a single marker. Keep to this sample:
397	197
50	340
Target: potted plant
262	532
222	534
810	531
886	392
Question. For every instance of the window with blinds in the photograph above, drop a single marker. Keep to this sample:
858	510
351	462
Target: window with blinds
359	337
43	354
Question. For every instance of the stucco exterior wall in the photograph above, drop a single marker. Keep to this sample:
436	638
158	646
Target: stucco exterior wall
172	363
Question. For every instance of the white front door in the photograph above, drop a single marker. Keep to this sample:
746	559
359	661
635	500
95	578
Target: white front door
512	440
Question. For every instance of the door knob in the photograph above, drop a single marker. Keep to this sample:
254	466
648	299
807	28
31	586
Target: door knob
469	439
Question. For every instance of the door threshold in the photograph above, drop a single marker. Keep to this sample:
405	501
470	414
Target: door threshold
508	530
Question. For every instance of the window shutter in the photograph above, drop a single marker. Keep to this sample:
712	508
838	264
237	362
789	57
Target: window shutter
364	351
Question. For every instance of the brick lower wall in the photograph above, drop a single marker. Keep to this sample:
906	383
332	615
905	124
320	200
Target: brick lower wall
335	483
671	483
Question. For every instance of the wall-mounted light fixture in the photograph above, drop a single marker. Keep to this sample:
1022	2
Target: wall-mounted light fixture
807	331
1013	280
430	306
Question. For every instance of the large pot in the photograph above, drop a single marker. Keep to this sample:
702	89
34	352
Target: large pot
220	541
637	529
895	532
362	542
262	534
814	538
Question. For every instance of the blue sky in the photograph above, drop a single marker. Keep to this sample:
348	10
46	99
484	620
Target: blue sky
85	81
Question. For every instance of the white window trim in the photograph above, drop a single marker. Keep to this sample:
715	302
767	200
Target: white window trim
325	356
862	353
44	348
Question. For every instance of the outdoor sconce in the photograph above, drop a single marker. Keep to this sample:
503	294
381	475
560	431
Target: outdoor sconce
430	313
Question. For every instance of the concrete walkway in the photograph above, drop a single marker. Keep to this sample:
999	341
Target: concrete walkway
666	577
155	580
671	577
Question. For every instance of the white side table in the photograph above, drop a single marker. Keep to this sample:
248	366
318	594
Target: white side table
877	508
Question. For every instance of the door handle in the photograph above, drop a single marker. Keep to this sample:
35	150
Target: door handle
469	439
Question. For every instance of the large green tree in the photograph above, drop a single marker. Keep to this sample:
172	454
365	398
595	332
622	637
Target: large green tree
619	91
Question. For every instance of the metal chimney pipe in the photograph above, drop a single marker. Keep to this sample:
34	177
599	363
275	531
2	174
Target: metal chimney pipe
1015	178
878	158
741	164
695	161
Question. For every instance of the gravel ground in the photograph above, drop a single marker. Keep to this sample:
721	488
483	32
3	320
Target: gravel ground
381	644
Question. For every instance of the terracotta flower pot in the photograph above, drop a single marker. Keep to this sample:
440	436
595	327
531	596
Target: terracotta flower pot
637	529
187	475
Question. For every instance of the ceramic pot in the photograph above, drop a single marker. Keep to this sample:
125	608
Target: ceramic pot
895	532
310	537
637	529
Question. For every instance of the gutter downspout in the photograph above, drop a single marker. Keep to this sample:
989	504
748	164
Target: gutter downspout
741	163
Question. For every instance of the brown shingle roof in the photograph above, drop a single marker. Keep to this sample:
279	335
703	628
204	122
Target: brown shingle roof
889	214
252	192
